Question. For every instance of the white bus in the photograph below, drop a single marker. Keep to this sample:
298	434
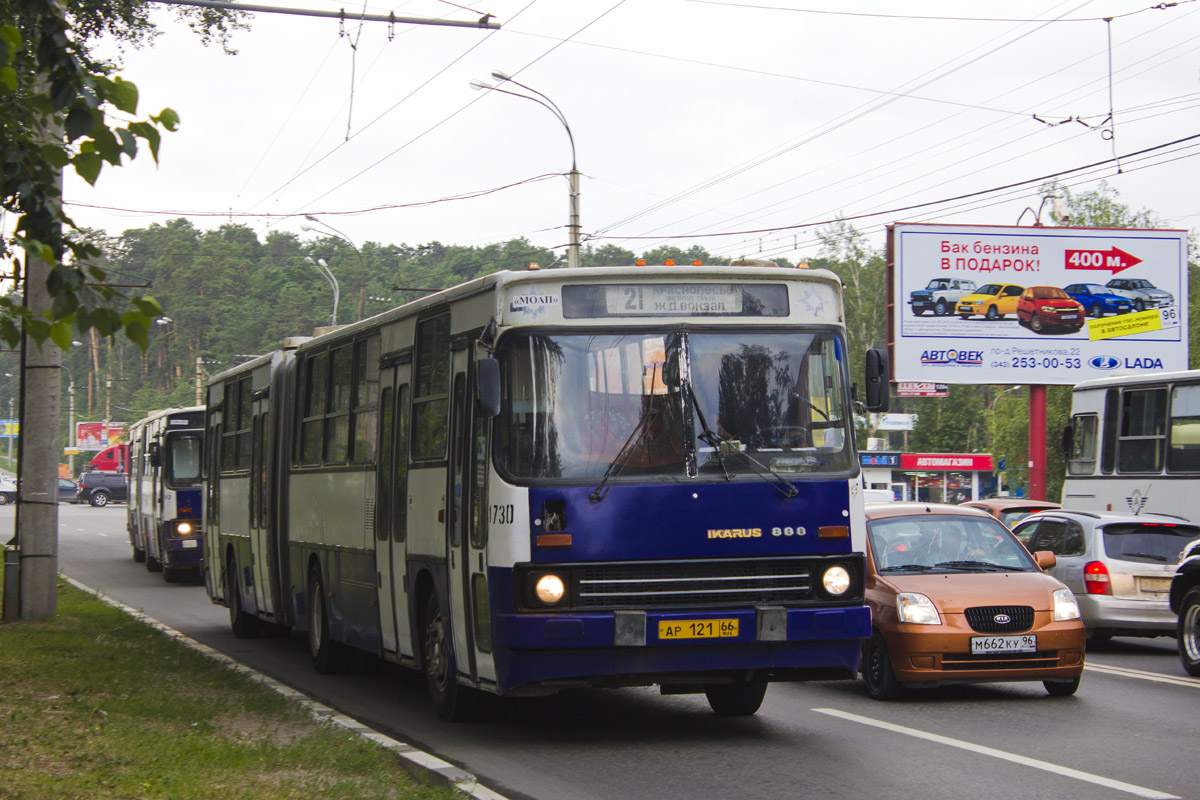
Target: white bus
541	480
1133	445
165	514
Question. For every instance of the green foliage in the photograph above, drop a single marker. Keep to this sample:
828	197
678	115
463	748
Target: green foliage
94	703
53	103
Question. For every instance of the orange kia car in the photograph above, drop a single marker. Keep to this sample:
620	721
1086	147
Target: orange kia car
955	598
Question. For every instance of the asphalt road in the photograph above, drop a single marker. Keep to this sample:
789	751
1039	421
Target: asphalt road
1132	730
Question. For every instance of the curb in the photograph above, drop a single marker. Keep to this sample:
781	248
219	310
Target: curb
417	762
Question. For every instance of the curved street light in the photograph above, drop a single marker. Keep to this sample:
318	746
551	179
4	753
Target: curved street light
323	268
573	176
362	264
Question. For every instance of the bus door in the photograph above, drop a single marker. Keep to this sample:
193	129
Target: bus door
391	511
260	499
466	528
214	566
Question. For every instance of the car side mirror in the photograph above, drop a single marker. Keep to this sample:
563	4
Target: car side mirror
1045	559
1068	442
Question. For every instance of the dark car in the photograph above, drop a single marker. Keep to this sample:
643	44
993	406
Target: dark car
1098	300
101	488
68	491
1184	599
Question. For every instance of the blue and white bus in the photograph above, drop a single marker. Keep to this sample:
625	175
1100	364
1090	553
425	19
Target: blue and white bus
596	477
166	495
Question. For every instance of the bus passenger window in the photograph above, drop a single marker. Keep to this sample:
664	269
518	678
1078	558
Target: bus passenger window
1082	460
1183	448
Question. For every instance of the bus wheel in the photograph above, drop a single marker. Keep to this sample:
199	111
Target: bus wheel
328	656
244	625
738	699
139	555
453	701
152	563
1189	632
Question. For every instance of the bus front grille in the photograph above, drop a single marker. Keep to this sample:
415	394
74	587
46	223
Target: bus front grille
700	584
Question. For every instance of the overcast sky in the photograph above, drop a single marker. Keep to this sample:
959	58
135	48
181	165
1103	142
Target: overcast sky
753	120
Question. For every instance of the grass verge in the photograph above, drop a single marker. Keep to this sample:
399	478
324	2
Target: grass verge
95	704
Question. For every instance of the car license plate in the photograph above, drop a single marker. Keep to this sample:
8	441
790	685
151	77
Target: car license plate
981	645
1155	584
1070	316
698	629
190	544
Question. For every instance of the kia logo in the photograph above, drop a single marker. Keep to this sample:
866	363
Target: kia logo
1105	362
1002	619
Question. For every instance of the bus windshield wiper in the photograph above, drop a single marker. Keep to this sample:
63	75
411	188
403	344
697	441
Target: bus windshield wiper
907	568
715	440
622	457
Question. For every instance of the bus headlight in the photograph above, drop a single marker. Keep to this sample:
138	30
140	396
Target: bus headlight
183	528
836	580
550	589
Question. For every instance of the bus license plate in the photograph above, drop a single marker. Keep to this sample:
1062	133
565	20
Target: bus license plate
981	645
698	629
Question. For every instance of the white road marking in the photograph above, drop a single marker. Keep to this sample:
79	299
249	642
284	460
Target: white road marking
1100	780
1157	677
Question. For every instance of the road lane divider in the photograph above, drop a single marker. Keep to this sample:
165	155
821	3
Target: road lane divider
992	752
1141	674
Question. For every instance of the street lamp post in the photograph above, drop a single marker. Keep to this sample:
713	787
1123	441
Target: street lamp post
573	176
362	264
323	268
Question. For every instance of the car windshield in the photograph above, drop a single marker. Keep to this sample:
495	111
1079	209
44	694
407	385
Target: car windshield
988	288
1012	516
1049	293
673	405
1147	542
939	283
945	542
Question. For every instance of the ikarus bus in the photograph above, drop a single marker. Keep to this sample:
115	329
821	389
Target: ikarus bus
595	477
1133	445
166	495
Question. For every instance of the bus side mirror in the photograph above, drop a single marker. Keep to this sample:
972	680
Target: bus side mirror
155	461
877	369
487	387
1068	441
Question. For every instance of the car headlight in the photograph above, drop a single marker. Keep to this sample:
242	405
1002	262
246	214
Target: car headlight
550	589
917	609
1049	309
1065	606
836	580
183	528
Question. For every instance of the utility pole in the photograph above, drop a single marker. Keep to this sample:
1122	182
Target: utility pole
37	460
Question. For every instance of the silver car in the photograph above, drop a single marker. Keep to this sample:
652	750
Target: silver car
1118	565
1141	292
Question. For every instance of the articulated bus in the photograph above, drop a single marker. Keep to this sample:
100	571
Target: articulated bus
596	477
1133	445
165	511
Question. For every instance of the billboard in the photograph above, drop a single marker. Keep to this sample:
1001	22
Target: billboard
1011	305
92	436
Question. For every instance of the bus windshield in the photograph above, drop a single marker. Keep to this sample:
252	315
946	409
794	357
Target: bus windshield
673	405
183	460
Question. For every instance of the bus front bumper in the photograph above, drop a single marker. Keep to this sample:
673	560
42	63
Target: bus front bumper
641	648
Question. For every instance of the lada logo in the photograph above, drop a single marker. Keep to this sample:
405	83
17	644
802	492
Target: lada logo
1002	619
1105	362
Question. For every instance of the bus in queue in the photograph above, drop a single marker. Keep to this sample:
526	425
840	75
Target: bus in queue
1133	445
165	515
594	477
